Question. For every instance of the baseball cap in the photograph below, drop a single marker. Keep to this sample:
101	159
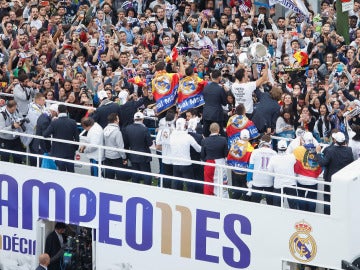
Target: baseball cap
245	134
282	145
339	137
308	138
102	94
138	116
248	27
53	107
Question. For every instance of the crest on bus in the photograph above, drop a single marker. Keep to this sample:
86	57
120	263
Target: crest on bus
301	244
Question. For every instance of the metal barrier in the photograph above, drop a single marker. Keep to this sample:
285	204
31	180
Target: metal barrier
173	178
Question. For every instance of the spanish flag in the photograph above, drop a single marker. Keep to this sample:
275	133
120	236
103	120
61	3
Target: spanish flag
190	93
302	58
164	88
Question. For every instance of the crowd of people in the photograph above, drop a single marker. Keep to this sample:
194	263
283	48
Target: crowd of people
188	71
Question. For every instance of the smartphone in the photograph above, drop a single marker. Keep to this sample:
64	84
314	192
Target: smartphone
144	66
117	73
44	3
135	61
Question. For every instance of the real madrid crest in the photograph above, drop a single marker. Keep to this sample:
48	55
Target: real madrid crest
301	244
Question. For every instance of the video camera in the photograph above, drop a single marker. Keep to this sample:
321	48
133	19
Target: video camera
21	121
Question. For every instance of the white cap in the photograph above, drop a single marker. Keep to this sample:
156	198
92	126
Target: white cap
180	124
339	137
54	107
245	134
138	116
102	94
308	138
282	145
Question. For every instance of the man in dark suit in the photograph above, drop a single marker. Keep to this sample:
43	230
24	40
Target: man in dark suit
137	138
334	158
54	244
106	108
215	98
42	146
44	261
214	149
131	106
63	128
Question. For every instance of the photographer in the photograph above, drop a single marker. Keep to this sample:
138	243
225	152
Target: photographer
10	121
23	93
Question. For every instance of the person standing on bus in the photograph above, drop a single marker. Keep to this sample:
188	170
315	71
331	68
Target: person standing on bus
259	161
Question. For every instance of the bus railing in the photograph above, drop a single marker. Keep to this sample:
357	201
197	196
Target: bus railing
221	186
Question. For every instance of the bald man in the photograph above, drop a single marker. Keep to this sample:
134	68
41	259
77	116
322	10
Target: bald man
44	261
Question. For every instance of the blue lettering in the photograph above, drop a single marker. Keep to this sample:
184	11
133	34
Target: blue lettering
202	234
6	242
15	243
147	223
11	202
228	253
75	195
23	248
105	217
44	190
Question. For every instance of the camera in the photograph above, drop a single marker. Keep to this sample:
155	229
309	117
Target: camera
21	121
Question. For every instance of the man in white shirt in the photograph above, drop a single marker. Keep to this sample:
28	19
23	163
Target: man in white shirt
95	135
180	143
163	145
283	163
259	161
243	89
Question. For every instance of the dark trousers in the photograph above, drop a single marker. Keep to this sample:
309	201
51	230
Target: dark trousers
15	145
206	126
167	169
65	166
305	205
184	172
33	160
198	175
256	197
327	199
111	173
238	180
144	167
293	204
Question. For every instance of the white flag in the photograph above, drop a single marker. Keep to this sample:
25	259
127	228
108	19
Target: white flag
297	6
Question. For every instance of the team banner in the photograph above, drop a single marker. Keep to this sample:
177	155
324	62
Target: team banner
236	124
164	89
240	151
136	224
190	93
239	154
295	5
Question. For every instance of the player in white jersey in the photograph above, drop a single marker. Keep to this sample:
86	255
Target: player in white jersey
259	161
283	163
